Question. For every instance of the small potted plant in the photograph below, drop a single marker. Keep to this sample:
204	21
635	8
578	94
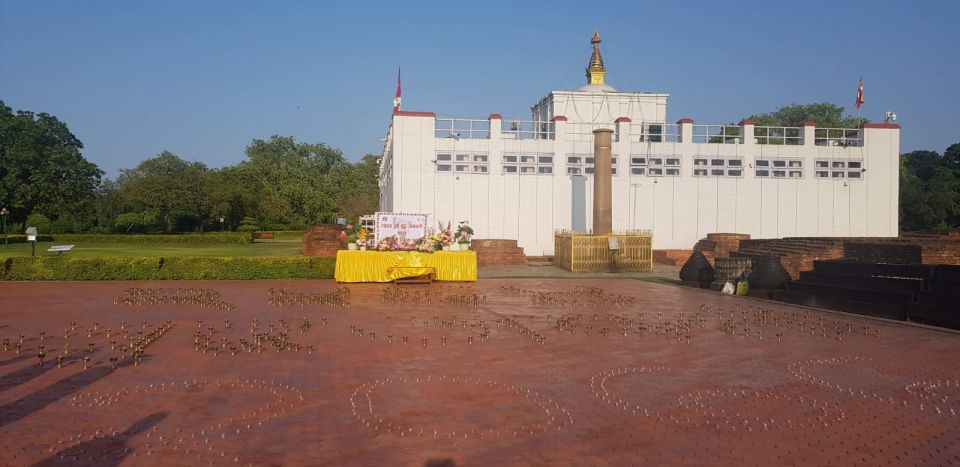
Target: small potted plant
349	236
363	239
464	235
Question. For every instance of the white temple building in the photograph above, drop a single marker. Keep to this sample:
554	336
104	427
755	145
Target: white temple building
525	179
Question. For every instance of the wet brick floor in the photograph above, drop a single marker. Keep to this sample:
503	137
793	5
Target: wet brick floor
499	372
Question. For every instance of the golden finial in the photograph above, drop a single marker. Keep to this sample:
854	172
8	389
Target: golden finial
595	70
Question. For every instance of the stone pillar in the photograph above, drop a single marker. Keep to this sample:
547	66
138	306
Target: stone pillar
602	182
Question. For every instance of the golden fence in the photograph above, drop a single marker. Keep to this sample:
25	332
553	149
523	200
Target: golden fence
579	252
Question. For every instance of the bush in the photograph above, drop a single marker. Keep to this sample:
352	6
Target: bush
41	222
76	268
193	238
17	238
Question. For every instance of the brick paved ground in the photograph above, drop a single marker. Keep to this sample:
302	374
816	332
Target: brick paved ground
655	375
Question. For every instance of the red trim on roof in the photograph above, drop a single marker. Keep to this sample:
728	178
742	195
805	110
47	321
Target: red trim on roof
747	121
809	123
407	113
495	116
623	120
685	120
889	126
558	118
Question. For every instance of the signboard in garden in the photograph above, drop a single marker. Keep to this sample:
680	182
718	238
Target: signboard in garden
402	226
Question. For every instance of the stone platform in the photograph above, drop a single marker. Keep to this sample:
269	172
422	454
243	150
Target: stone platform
322	240
497	252
498	372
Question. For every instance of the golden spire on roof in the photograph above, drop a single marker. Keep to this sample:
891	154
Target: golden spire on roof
595	70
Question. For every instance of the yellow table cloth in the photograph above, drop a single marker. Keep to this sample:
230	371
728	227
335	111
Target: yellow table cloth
387	266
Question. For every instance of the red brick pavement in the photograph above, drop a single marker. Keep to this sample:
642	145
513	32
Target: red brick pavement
667	376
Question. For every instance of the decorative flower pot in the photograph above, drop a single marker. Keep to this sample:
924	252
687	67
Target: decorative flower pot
446	248
351	246
363	248
464	247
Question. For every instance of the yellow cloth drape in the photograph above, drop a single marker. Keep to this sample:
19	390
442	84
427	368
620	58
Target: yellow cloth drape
387	266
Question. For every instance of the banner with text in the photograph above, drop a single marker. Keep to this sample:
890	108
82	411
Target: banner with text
403	226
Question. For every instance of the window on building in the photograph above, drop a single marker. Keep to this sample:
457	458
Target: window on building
637	170
780	166
840	169
528	164
638	161
576	167
660	166
462	163
732	167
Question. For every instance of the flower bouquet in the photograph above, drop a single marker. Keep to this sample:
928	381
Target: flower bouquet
443	237
363	238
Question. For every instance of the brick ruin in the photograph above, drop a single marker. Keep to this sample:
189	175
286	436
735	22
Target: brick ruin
798	253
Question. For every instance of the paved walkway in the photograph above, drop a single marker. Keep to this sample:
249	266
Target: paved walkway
660	271
536	371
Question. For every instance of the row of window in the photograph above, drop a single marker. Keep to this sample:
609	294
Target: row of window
654	166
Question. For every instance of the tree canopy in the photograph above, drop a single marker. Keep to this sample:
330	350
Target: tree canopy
930	190
41	168
824	114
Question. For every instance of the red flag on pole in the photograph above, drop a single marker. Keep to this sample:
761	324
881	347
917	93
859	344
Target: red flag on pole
859	101
396	100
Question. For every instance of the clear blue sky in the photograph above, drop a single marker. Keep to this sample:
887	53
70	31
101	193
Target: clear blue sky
201	79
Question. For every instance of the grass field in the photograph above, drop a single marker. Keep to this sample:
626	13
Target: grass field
280	248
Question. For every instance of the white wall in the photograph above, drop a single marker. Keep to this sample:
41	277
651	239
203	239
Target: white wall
679	210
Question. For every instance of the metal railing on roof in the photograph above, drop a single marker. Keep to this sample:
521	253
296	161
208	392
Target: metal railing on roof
462	128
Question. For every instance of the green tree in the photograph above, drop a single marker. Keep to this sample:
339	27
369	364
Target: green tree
41	167
929	191
824	114
359	189
174	187
292	180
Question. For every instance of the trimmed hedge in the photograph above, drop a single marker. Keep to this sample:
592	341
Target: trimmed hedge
193	238
18	238
79	268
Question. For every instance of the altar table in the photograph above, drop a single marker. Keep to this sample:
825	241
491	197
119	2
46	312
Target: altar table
387	266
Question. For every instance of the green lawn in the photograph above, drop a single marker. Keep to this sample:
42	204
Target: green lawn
161	249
